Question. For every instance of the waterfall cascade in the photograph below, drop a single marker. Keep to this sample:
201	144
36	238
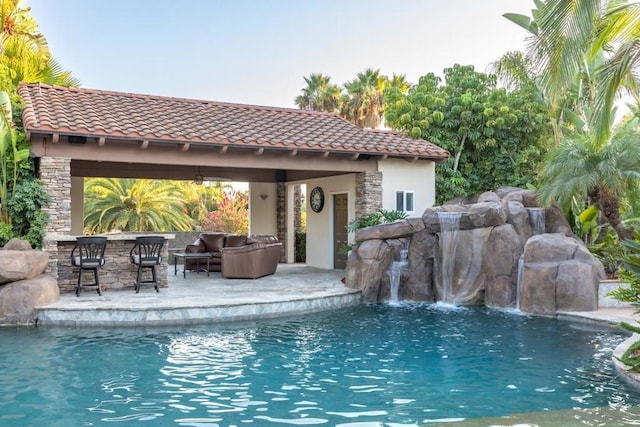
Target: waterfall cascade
536	219
449	223
519	283
395	272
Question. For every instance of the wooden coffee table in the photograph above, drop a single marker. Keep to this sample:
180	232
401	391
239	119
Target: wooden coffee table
197	257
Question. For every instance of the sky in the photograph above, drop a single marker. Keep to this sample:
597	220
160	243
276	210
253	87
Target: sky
259	51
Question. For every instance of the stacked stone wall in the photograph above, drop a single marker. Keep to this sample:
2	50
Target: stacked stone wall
368	193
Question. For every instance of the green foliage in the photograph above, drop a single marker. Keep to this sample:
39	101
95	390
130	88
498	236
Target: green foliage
364	221
609	252
6	233
582	167
301	247
133	205
495	137
25	209
630	273
392	215
231	215
631	357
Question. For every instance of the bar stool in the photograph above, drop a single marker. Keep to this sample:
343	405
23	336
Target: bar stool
88	254
146	253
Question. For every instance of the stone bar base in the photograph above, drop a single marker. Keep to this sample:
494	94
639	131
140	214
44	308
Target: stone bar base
117	273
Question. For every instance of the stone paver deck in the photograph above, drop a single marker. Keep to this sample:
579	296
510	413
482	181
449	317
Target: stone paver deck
295	288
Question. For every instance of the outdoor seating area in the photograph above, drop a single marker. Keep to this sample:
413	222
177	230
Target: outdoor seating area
235	256
117	261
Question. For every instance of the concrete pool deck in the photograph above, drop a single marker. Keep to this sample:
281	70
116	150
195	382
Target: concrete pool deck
198	298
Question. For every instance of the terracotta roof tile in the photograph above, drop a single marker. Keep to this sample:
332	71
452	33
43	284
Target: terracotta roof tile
54	109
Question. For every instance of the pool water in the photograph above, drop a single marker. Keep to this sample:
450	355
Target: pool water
373	365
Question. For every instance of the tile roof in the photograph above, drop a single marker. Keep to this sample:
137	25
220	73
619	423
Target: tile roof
119	115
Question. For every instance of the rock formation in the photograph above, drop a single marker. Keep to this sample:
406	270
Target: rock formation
559	273
23	284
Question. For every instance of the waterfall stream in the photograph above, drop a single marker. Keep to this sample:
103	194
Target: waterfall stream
449	223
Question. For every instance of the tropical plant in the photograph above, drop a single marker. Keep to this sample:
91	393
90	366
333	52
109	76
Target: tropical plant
133	205
583	167
24	54
319	94
25	209
10	156
201	199
574	39
495	137
363	102
231	214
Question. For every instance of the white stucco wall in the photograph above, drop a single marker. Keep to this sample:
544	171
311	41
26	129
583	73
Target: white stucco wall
419	177
320	225
262	213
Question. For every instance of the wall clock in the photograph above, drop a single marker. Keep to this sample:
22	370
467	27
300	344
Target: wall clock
316	199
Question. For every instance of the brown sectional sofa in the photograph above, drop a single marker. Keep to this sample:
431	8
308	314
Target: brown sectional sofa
237	256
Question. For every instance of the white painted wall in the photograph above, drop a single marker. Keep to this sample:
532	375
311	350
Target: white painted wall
262	208
419	177
320	225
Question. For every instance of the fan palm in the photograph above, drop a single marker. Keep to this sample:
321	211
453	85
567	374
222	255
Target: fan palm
363	103
319	95
133	205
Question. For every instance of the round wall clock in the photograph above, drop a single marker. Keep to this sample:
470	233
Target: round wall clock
316	199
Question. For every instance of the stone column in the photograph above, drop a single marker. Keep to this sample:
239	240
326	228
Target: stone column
297	208
281	208
55	173
368	193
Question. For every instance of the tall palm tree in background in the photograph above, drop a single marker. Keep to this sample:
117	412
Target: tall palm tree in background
363	102
319	94
133	205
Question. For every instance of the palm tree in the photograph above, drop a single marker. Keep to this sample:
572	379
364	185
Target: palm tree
133	205
567	36
319	95
24	54
363	103
201	199
601	173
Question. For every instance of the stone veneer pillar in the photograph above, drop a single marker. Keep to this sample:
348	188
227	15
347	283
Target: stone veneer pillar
55	174
281	218
368	193
297	208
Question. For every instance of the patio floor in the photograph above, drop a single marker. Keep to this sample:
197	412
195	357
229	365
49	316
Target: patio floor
293	289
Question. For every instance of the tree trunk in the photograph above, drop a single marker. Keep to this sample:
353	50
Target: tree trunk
610	208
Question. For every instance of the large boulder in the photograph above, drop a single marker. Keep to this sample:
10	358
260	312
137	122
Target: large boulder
559	274
18	300
366	267
501	266
23	264
16	244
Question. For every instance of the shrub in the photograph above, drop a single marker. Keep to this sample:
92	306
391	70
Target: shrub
301	247
25	209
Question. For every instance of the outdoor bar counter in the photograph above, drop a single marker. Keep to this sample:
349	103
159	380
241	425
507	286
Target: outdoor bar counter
117	273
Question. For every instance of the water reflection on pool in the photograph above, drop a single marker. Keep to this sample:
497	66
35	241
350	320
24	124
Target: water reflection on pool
373	365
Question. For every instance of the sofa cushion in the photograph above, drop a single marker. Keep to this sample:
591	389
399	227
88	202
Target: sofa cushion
213	241
261	239
235	240
196	247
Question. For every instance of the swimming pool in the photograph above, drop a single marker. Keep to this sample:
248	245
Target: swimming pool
371	365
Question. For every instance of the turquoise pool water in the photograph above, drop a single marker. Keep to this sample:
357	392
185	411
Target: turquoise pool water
372	365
